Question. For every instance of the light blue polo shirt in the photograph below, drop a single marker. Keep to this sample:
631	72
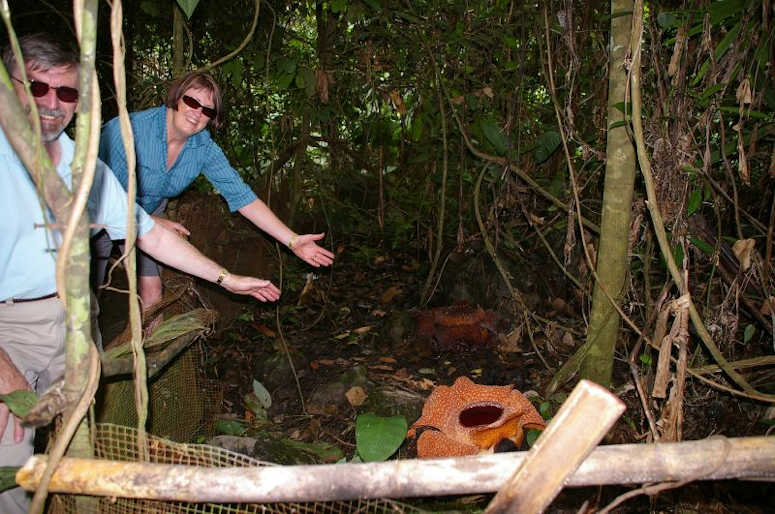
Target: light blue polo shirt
27	262
199	155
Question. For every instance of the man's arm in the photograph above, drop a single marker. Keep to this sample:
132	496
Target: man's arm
11	380
169	248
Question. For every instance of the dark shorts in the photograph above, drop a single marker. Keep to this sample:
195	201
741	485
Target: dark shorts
102	248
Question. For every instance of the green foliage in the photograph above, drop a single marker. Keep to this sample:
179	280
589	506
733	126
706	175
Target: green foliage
231	427
748	333
8	477
494	135
188	6
19	402
547	143
377	438
532	435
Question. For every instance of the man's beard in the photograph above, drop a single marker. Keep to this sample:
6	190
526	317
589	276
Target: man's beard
48	130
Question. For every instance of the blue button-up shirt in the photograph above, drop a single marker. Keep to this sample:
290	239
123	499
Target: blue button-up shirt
27	253
155	182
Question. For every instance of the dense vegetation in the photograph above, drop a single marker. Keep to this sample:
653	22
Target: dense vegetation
433	131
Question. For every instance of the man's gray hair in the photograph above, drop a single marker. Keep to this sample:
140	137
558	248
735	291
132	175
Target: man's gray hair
40	52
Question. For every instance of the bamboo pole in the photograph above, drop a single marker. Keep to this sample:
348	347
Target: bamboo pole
580	424
716	458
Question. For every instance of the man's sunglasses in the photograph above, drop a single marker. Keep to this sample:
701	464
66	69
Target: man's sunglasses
64	93
194	104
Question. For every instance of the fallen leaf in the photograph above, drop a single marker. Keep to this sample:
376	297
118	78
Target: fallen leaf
391	293
414	265
381	367
379	313
326	362
343	335
768	306
362	330
263	329
356	396
389	360
743	249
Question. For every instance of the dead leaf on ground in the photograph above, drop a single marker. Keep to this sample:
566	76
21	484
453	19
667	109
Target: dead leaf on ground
743	248
363	330
263	329
391	293
356	396
768	306
388	360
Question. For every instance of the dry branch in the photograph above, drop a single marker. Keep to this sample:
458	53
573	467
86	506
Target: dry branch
708	459
584	418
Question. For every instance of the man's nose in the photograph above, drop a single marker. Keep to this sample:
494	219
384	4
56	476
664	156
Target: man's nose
49	100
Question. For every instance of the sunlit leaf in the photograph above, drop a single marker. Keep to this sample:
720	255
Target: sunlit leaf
262	394
188	7
532	435
19	402
376	438
8	477
230	427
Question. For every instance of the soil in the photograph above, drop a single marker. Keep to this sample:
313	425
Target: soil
354	325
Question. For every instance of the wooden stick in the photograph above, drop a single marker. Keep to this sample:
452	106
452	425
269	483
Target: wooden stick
708	459
582	421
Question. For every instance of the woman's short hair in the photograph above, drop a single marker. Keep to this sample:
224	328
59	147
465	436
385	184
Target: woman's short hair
196	80
40	52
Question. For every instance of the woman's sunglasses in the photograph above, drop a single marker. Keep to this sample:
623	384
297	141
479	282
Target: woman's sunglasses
194	104
39	89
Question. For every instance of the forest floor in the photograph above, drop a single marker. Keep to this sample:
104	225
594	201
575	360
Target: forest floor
352	337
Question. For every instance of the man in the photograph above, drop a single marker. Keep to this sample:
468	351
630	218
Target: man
32	318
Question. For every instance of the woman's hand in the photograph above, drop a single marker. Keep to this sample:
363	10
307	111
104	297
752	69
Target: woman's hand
306	249
260	289
174	226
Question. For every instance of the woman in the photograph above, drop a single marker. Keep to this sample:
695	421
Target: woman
173	146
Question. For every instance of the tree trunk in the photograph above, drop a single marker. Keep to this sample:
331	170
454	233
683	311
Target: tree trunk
612	261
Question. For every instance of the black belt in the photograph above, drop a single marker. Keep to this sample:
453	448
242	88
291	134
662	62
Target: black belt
22	300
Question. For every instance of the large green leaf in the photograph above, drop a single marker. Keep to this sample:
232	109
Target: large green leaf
8	477
376	438
494	135
19	402
547	143
188	6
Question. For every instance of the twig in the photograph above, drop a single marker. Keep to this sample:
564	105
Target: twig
70	426
656	216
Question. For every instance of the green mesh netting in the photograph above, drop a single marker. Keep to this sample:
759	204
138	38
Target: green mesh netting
116	442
